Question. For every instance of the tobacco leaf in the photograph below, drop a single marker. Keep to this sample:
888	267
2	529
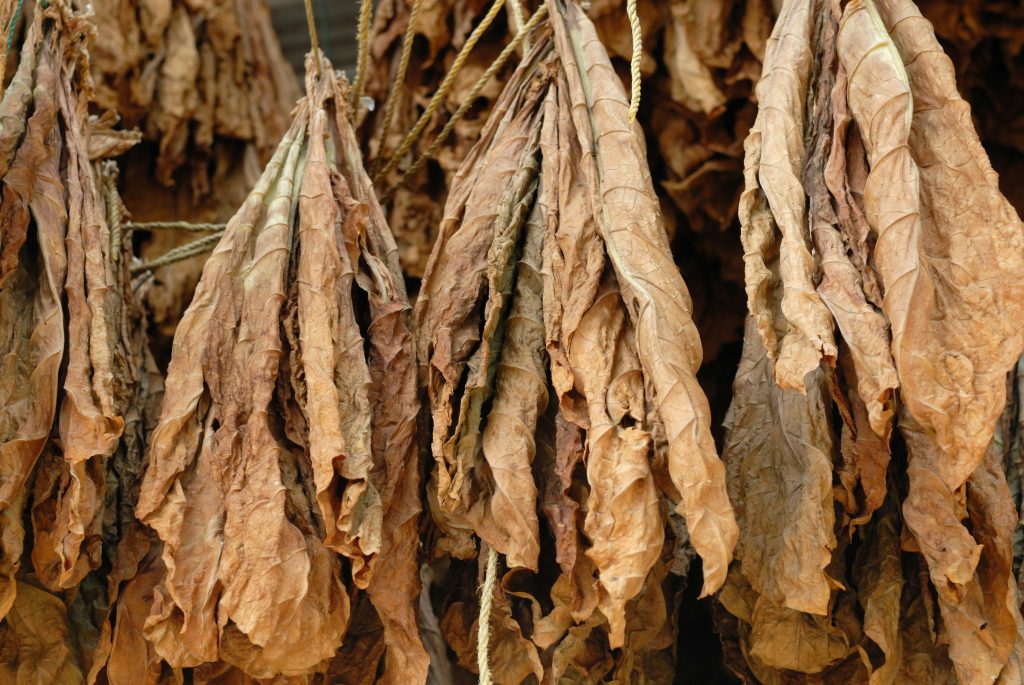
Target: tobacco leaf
210	92
32	320
249	410
461	310
623	519
394	585
878	575
191	75
778	456
199	436
334	367
610	433
777	644
67	519
794	324
691	81
865	453
925	656
632	228
938	251
508	443
34	640
842	285
416	210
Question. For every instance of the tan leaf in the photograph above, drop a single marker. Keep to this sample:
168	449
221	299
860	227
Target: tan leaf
631	225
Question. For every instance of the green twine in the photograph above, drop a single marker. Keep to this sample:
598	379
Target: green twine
14	23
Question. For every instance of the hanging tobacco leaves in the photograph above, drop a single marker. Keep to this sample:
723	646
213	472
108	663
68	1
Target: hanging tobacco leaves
72	398
558	353
283	478
193	76
65	384
883	273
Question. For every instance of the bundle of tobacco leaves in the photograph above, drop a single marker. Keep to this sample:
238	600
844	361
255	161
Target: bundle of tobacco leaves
556	344
71	414
208	86
883	271
283	478
192	75
699	63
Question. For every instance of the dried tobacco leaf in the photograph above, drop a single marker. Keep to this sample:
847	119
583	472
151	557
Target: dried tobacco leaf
34	640
658	303
192	75
794	324
439	33
67	366
272	454
936	255
778	448
919	275
609	322
32	319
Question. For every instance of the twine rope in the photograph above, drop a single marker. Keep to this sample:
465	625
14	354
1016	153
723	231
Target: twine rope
173	226
634	63
483	630
399	82
474	92
442	90
196	247
314	41
365	10
516	11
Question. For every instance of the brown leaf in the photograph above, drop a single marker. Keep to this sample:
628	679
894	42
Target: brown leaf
794	324
203	434
31	323
631	225
34	641
623	518
777	451
938	250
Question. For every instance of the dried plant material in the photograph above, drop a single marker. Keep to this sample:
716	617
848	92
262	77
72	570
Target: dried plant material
659	306
778	449
878	574
35	640
921	276
794	324
623	518
269	427
211	91
64	297
191	76
557	188
441	30
950	366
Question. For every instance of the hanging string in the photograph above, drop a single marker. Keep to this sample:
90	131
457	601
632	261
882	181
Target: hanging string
173	226
483	629
313	40
114	216
119	228
474	92
634	63
365	10
182	252
442	90
13	25
398	83
516	11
